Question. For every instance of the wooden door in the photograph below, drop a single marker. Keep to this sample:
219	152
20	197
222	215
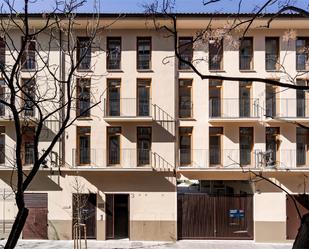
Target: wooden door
117	216
201	216
36	224
292	218
84	207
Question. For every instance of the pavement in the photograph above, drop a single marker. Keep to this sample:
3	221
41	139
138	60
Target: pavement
126	244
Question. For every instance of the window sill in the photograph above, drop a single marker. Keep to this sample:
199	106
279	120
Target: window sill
217	71
28	70
84	118
303	71
84	70
273	71
247	71
185	70
114	70
187	119
144	70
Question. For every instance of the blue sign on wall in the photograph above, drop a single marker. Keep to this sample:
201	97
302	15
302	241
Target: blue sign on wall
237	213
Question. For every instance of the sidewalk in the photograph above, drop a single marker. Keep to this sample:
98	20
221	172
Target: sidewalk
125	244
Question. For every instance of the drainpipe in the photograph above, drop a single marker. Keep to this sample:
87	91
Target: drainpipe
62	86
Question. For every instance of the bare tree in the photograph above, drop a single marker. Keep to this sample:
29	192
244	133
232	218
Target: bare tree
234	33
41	88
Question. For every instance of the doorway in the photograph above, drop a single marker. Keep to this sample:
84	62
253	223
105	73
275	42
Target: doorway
117	216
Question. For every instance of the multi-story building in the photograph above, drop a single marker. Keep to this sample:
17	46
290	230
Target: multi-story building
166	155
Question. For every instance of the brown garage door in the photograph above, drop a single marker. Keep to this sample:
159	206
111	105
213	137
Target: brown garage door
36	224
292	218
201	216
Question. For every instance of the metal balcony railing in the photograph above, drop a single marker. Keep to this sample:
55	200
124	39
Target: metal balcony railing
287	108
84	157
127	107
233	108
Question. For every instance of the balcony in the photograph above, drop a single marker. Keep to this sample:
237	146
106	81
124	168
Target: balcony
122	159
128	110
287	108
233	110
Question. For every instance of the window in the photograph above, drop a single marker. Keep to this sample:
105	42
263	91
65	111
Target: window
272	53
113	97
83	145
272	145
2	97
301	99
246	53
185	51
185	103
143	97
245	98
143	53
301	146
2	144
215	98
28	56
185	149
113	53
245	145
143	145
83	98
113	145
28	134
215	134
271	101
215	54
29	97
302	44
83	53
2	52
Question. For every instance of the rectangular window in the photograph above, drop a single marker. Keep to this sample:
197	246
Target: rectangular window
271	101
29	97
28	134
2	97
245	98
83	53
185	102
83	145
185	148
215	149
2	144
113	145
113	97
272	145
302	44
143	145
215	54
2	52
215	87
272	53
301	99
246	53
143	53
113	49
185	48
245	145
28	61
83	98
143	97
301	146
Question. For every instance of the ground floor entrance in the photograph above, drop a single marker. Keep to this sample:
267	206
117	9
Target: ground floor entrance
36	223
117	216
224	213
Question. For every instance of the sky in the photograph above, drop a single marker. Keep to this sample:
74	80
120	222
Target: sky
127	6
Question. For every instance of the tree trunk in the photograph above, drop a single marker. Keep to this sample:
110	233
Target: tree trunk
302	238
17	228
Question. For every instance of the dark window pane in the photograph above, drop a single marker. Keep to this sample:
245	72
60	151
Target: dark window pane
271	53
83	140
113	52
84	52
28	56
83	97
302	53
185	51
185	102
245	144
143	52
143	145
143	97
246	53
215	54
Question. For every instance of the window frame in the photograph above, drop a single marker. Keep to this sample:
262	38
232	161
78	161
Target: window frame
277	65
140	38
108	39
78	149
251	55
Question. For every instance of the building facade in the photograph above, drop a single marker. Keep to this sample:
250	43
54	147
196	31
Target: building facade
166	155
